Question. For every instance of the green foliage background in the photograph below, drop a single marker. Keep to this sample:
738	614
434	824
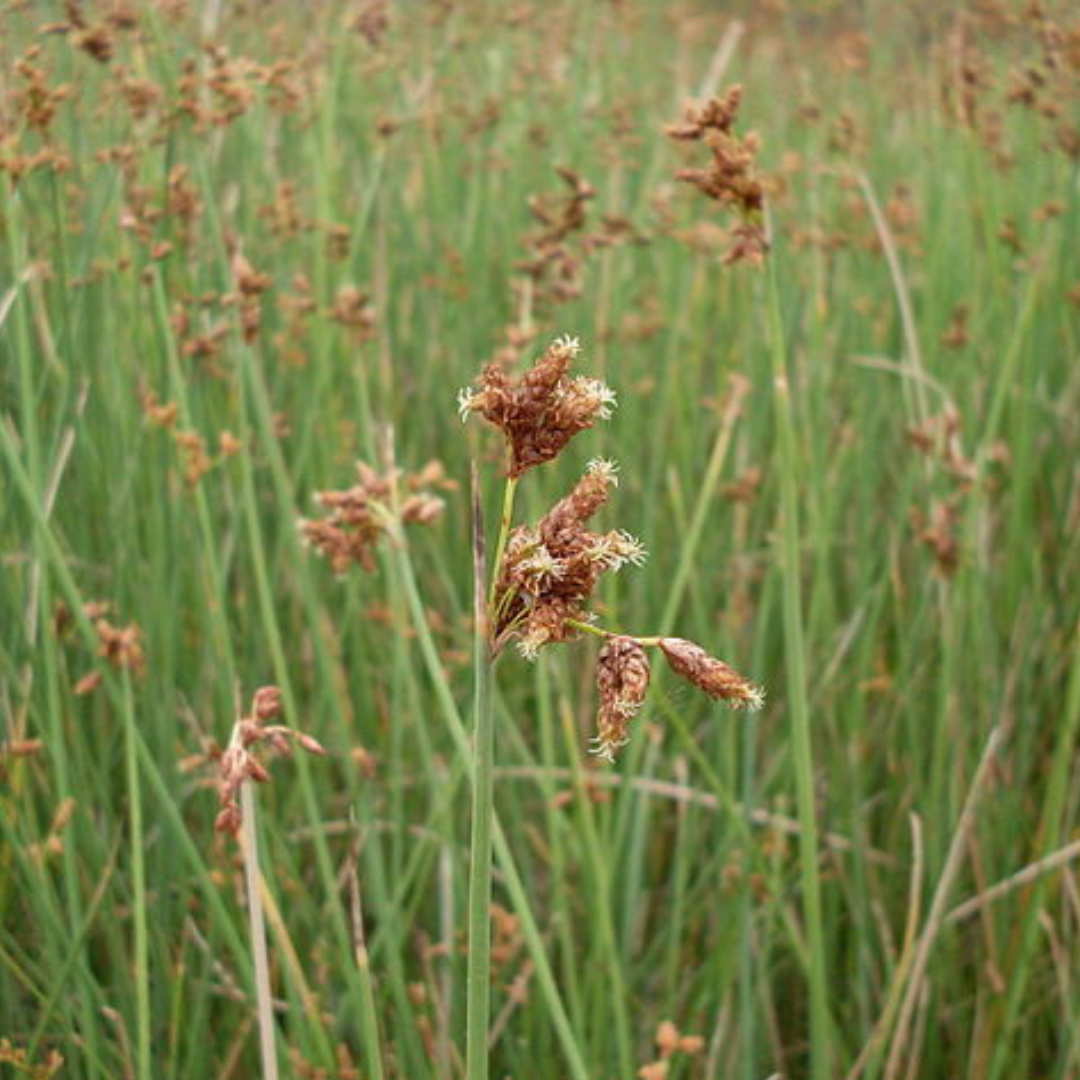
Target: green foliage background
669	887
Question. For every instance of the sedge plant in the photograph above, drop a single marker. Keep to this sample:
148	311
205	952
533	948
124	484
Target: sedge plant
539	590
239	766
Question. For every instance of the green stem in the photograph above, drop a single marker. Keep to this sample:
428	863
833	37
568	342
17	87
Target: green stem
515	886
505	521
369	1014
588	628
794	646
138	881
600	632
479	960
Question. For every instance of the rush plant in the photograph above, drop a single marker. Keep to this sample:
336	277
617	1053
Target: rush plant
541	583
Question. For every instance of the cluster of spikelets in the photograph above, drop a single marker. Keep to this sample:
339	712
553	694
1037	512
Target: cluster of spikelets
547	572
357	517
731	178
550	570
239	763
543	410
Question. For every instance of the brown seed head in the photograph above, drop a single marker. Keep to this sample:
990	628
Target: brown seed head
622	678
543	410
358	516
550	570
249	281
716	678
121	646
266	704
239	763
731	178
353	308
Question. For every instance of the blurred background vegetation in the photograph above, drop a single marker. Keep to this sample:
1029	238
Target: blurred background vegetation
243	242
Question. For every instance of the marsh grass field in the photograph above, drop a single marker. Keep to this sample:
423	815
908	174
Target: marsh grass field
244	246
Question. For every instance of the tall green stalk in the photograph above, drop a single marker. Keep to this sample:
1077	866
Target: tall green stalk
795	652
515	885
138	882
478	1003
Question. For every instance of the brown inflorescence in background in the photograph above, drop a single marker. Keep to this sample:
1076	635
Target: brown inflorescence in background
669	1042
357	517
120	646
553	265
239	764
731	178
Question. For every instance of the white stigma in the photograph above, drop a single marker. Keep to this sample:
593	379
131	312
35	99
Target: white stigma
604	469
465	402
569	344
601	395
756	700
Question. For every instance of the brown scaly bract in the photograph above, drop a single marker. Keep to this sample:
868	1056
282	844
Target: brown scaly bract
549	570
543	410
731	178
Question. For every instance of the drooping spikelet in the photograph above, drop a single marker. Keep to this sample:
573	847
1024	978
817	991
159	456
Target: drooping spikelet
622	678
717	679
543	410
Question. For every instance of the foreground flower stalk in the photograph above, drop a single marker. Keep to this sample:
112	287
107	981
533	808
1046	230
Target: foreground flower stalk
539	593
478	975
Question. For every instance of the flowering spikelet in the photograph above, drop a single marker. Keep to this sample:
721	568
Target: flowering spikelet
716	678
549	570
239	764
543	410
121	646
357	517
731	178
558	247
622	678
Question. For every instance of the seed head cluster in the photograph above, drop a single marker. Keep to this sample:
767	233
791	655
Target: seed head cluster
119	646
543	410
554	266
549	570
239	763
731	178
357	517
